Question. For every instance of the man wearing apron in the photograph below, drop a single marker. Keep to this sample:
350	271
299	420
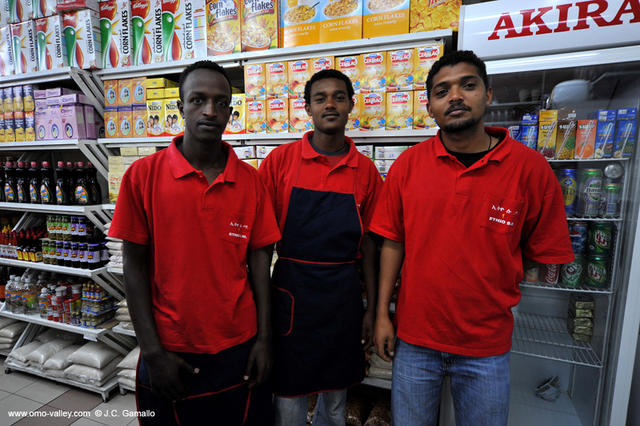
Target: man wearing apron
195	221
324	191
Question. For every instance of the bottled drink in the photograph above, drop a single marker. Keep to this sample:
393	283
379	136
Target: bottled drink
82	190
34	183
10	188
63	184
94	186
43	302
47	185
8	294
22	183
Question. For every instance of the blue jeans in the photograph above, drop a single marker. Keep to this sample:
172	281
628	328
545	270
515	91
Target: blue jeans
479	386
330	410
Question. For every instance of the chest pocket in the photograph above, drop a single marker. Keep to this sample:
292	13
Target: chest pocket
501	214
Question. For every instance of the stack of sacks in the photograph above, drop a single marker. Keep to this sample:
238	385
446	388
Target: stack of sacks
114	245
10	331
57	363
378	367
127	369
122	315
44	346
18	356
94	363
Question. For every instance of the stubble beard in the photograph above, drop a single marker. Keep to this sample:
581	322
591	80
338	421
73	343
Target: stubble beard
460	126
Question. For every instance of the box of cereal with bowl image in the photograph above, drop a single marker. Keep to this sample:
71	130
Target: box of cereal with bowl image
341	20
299	22
223	27
385	17
259	25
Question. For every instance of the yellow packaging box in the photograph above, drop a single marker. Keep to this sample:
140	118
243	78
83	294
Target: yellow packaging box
385	17
155	117
373	111
155	94
159	83
373	72
236	123
424	57
125	120
300	71
299	120
400	65
322	63
223	27
116	171
111	122
255	81
125	89
547	132
277	80
277	115
259	25
355	114
299	20
139	120
171	92
139	91
351	66
399	113
253	162
29	126
173	122
343	20
430	15
421	117
256	116
128	150
143	151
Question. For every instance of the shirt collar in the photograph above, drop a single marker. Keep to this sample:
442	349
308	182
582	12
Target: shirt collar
180	167
497	154
308	153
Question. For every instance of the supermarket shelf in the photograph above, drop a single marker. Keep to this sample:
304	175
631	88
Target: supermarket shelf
113	270
560	287
547	337
40	266
120	330
589	160
48	208
513	104
378	383
595	219
40	145
59	74
87	333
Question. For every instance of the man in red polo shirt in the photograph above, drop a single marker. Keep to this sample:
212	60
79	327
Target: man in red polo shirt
458	213
195	222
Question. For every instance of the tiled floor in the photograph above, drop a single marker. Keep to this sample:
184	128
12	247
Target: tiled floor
27	393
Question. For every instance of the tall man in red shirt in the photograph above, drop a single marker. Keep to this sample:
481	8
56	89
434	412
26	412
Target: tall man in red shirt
195	222
458	213
324	191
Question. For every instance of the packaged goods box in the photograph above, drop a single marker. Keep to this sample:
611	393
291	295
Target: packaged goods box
431	15
259	25
7	66
385	17
223	27
23	36
236	123
115	33
184	29
342	20
146	32
51	51
81	29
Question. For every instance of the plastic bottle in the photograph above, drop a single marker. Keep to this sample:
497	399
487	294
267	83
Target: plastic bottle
47	184
92	176
43	302
8	294
82	190
62	185
18	302
10	188
30	297
22	183
34	183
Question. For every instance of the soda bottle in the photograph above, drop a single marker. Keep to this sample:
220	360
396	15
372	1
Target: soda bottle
62	185
82	190
34	183
22	183
10	188
47	188
92	176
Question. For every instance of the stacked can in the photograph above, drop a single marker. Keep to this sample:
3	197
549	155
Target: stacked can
589	192
569	185
571	273
599	246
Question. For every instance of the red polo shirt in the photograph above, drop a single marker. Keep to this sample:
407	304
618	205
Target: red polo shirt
465	231
297	163
198	235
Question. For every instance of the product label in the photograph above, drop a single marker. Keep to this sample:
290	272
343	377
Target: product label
45	195
259	25
223	27
400	70
351	66
399	114
255	81
146	32
277	83
82	196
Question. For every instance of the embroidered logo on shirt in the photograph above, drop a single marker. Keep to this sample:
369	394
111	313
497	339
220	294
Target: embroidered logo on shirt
503	215
238	230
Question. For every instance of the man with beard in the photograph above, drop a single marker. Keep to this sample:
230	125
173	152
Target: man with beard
459	212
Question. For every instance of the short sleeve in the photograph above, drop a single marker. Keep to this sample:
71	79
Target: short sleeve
266	172
130	219
374	188
388	218
265	228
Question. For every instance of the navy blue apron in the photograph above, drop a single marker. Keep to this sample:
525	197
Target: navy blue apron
317	301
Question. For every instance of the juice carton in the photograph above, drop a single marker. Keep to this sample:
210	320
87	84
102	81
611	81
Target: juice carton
139	120
29	126
110	93
385	17
173	122
125	119
237	118
424	58
44	8
547	131
18	120
373	72
23	35
155	117
81	32
255	81
139	91
111	122
626	132
400	70
259	25
604	133
115	33
223	27
299	22
299	120
343	20
89	122
256	116
566	137
351	66
585	138
125	89
7	66
529	132
366	150
399	114
373	111
421	117
73	122
277	115
277	80
184	27
430	15
9	127
27	96
18	102
19	10
146	32
49	42
355	114
322	63
300	71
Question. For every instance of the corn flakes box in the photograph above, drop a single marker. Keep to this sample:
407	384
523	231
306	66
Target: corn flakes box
430	15
125	119
146	32
322	63
399	113
299	120
7	66
81	32
44	8
184	29
277	80
373	72
173	122
115	33
373	111
23	35
299	20
259	25
351	66
400	70
155	117
277	115
49	43
256	116
19	10
139	120
341	20
255	81
547	132
300	71
223	27
236	123
354	116
424	58
421	117
385	17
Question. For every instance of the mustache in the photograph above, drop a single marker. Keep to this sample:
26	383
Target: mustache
457	107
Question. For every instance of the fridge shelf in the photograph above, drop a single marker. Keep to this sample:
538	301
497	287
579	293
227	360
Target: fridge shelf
547	337
560	287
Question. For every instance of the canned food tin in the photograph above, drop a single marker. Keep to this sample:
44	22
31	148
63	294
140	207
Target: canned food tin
614	171
571	273
569	185
589	188
599	242
597	272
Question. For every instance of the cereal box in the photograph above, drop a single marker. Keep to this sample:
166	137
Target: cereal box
73	126
322	63
424	58
155	117
399	114
263	150
245	152
256	116
111	122
173	122
171	92
54	130
430	15
115	33
81	31
299	20
7	66
259	25
157	83
139	120
23	35
604	133
342	20
1	127
8	99
421	117
255	81
116	171
277	80
373	72
236	123
299	120
125	89
300	72
566	136
139	91
351	66
585	139
110	93
49	41
155	94
223	27
20	10
385	17
184	29
70	5
373	111
125	118
626	132
400	70
44	8
354	116
547	132
146	32
277	115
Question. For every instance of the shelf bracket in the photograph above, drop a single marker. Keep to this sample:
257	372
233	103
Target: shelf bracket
90	88
111	283
96	155
122	344
99	217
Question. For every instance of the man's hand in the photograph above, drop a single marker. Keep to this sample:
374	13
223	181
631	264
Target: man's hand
167	375
367	328
261	361
384	337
